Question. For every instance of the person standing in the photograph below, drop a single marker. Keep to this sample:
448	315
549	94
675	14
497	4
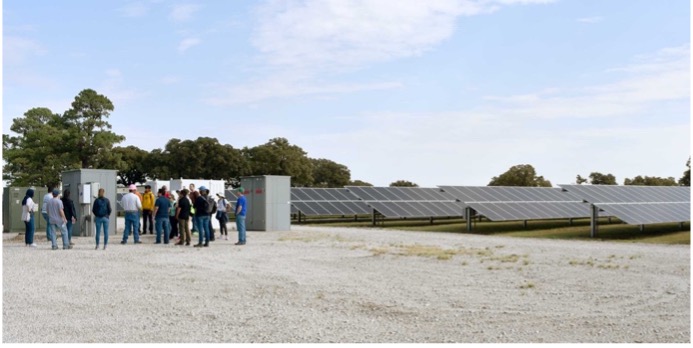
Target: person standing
223	216
58	221
139	225
147	207
183	215
28	209
202	217
193	195
132	206
172	215
161	208
241	211
70	213
102	213
47	197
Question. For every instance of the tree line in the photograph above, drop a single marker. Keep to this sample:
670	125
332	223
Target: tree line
48	143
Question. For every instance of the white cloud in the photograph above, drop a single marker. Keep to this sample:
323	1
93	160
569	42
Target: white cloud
185	44
183	12
134	9
590	20
16	50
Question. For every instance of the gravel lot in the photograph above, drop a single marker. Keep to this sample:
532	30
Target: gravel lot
317	284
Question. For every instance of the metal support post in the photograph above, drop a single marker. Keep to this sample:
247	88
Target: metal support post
594	216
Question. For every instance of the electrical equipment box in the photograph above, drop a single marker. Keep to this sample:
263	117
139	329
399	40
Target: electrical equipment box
95	187
268	198
84	193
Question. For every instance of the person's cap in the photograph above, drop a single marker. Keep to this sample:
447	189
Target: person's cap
132	187
240	189
220	195
56	192
202	188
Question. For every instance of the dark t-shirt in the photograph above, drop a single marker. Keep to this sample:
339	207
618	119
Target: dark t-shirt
184	205
200	206
163	205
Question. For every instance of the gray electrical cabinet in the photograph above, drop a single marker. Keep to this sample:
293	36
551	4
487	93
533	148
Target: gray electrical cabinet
84	187
12	209
269	202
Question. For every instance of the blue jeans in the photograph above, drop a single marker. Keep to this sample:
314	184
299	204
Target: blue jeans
63	233
101	221
132	222
240	226
48	225
165	224
69	230
29	232
203	227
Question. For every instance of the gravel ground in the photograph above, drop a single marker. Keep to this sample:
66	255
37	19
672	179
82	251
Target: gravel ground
317	284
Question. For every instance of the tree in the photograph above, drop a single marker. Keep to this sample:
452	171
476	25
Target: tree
328	173
520	175
580	180
89	136
403	183
39	153
651	181
359	183
201	158
597	178
686	178
131	165
279	157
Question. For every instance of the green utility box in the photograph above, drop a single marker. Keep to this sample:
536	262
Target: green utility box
12	208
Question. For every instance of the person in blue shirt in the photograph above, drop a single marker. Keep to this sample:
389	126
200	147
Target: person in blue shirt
241	210
162	205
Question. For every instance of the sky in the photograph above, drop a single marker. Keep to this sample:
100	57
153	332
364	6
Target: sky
437	92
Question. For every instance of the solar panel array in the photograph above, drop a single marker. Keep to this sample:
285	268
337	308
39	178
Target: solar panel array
326	201
409	202
505	203
638	205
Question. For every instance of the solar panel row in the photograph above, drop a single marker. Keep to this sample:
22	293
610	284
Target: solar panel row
407	202
509	211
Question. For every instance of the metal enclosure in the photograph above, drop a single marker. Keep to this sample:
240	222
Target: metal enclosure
12	209
83	185
269	202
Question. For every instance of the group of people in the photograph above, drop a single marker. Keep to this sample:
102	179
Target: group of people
169	215
60	215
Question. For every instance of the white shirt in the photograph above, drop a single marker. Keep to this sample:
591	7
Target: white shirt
27	209
130	202
221	204
46	198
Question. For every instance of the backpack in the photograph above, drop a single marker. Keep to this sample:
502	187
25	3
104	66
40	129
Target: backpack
210	205
102	209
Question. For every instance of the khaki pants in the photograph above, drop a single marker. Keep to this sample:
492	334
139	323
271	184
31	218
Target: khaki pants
184	231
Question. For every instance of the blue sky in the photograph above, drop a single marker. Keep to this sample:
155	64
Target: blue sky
439	92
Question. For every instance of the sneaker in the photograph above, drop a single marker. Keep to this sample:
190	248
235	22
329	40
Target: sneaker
226	237
72	244
206	244
69	246
138	242
123	242
104	247
187	243
33	245
198	245
55	248
97	247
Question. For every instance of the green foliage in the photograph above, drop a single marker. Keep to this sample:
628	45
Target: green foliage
328	173
580	180
279	157
403	183
89	137
131	165
520	175
359	183
39	152
651	181
686	178
202	158
597	178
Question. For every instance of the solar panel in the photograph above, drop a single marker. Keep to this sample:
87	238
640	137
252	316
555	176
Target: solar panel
326	201
409	202
508	211
630	194
509	194
638	205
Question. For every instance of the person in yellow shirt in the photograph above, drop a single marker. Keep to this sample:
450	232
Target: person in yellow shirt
148	199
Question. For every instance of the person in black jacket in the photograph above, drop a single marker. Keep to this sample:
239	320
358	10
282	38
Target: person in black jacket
102	212
70	213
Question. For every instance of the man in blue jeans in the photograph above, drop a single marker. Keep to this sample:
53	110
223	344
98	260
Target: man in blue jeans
132	206
241	210
47	197
202	217
161	207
